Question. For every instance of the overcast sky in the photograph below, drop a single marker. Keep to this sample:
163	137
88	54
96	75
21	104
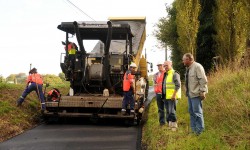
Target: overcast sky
29	33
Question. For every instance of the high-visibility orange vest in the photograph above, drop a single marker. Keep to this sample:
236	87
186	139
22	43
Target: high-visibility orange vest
158	82
71	48
128	79
35	77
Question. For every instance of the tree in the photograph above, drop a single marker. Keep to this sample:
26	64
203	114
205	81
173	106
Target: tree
205	41
232	21
242	26
52	79
187	24
206	28
17	78
1	79
11	78
167	34
62	76
21	77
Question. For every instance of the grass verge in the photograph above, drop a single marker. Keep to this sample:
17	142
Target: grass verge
15	120
226	114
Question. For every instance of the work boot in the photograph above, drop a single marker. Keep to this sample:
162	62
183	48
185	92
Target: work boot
43	111
174	126
43	106
123	111
132	112
19	102
162	124
170	124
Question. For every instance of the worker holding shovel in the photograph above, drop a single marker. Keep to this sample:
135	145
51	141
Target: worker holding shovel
34	83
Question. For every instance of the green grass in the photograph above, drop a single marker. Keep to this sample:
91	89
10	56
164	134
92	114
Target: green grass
14	120
10	86
5	107
226	114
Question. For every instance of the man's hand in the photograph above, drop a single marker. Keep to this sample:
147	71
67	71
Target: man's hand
202	95
173	98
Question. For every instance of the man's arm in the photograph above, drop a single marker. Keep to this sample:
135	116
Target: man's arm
28	80
177	83
154	78
202	79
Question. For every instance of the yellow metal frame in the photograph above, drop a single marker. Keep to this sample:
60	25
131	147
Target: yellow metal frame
127	18
137	58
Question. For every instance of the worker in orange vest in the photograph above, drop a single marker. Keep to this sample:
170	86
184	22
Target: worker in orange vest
72	48
158	78
34	83
129	89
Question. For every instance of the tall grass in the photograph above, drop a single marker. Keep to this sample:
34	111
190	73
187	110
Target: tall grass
226	114
14	120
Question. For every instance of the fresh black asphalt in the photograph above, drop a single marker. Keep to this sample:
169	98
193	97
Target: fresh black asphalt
78	135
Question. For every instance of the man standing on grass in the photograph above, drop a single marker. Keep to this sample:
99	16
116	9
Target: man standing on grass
171	92
158	77
196	88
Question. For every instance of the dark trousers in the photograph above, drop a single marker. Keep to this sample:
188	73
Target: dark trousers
171	109
35	87
128	98
161	108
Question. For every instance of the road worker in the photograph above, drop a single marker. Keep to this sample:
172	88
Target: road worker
129	89
34	83
158	78
171	92
72	48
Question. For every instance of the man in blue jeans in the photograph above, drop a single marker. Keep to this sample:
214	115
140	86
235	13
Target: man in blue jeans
196	88
171	93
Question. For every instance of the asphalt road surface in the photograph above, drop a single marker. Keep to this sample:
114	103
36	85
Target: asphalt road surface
78	135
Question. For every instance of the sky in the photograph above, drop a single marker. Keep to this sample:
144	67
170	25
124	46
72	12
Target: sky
29	34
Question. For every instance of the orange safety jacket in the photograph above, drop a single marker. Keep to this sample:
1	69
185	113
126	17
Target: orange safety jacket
158	79
128	80
71	48
35	77
54	94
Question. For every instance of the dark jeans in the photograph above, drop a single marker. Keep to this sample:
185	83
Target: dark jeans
34	87
128	99
161	109
171	109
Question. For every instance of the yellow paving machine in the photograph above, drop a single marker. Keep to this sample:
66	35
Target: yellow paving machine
96	77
